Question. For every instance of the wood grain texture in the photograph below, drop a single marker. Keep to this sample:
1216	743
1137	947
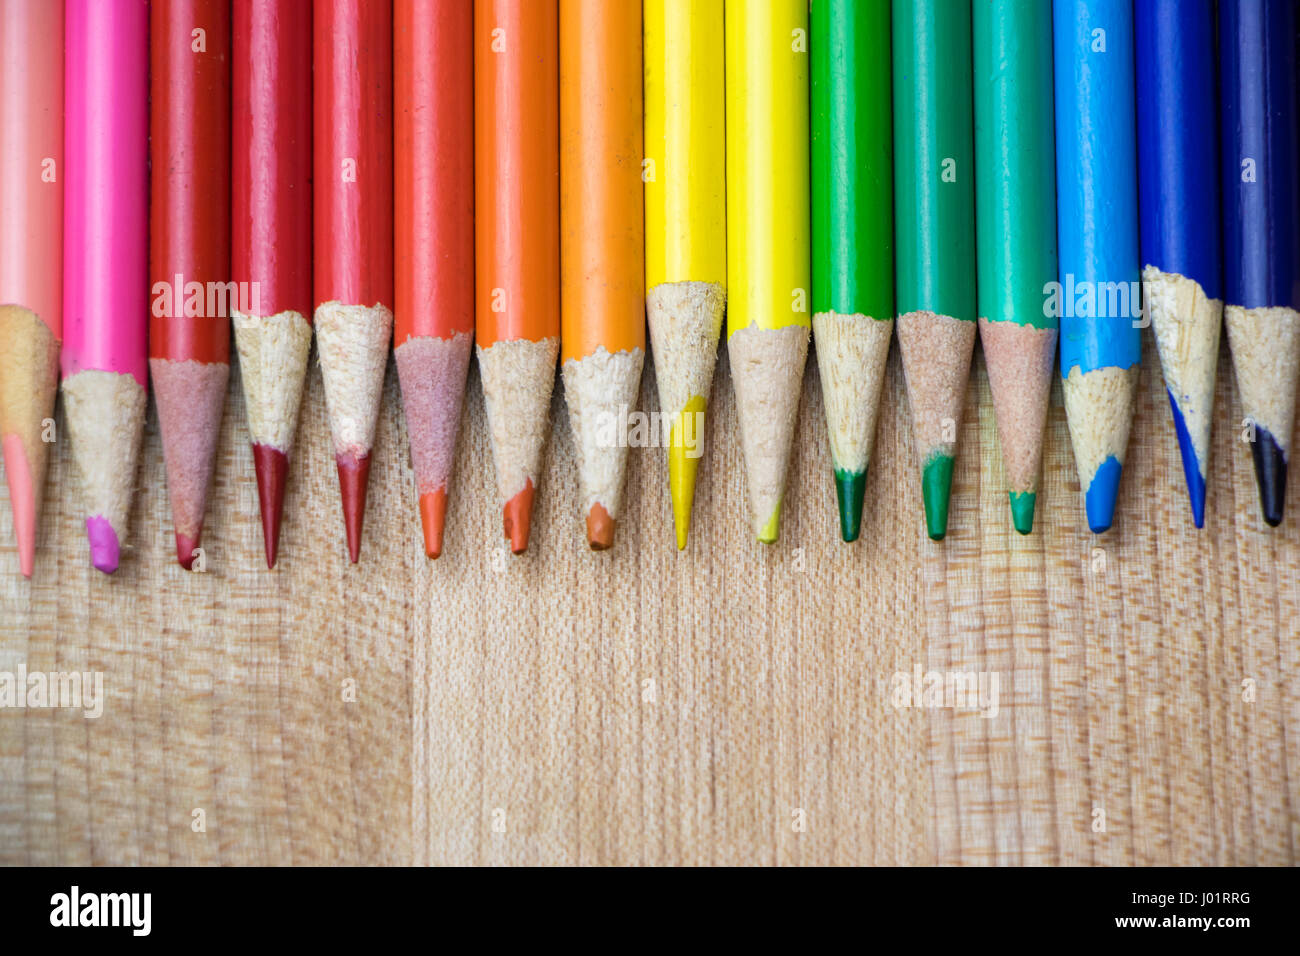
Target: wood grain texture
497	690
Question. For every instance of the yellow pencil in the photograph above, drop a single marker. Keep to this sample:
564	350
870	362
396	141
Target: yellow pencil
767	237
686	223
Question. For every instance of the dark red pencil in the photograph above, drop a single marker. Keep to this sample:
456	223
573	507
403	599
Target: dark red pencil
271	219
353	184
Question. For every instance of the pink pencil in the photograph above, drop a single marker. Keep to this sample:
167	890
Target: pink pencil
105	257
31	250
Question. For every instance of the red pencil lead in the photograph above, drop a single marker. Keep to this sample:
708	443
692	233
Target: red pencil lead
354	476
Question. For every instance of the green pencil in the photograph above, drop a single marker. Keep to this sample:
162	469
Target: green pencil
853	231
1015	195
934	203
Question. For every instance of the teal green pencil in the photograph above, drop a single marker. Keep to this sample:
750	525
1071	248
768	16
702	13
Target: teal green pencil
1015	200
934	204
852	231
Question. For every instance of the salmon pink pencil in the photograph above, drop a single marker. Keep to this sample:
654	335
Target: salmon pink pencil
353	182
517	239
31	250
189	332
433	90
105	258
271	241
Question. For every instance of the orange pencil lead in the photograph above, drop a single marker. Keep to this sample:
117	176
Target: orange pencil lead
518	518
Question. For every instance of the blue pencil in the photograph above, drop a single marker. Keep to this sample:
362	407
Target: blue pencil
1182	249
1257	50
1096	188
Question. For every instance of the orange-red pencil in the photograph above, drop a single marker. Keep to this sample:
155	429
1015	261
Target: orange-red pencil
517	231
189	332
433	92
602	246
353	183
271	242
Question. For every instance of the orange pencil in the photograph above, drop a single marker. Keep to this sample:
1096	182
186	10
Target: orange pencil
602	290
517	225
433	93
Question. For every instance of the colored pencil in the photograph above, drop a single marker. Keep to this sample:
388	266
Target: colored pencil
31	251
1096	187
189	238
517	231
1015	202
271	242
602	251
768	271
1257	53
105	258
852	232
685	224
353	226
934	200
433	91
1178	190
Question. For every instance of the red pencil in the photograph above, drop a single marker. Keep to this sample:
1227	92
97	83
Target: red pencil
353	183
433	92
189	257
271	251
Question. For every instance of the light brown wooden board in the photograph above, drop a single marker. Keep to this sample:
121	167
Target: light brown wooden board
503	712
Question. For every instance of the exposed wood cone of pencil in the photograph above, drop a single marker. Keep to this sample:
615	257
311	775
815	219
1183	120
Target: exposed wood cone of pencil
271	242
685	225
602	291
189	341
517	248
434	248
768	280
353	224
31	252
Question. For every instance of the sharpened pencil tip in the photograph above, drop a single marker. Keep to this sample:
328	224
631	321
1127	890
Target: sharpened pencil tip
1270	475
272	468
1191	465
105	549
1022	510
849	489
683	464
354	476
433	515
22	500
771	530
517	518
185	548
936	486
1100	496
600	528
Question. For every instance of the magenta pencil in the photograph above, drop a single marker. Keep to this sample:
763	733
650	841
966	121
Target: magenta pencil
105	257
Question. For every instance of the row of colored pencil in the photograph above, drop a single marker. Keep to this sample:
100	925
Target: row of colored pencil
543	176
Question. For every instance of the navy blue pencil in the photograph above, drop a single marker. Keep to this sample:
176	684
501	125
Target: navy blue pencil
1257	50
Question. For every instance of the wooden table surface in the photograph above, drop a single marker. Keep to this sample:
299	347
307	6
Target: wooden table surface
731	704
